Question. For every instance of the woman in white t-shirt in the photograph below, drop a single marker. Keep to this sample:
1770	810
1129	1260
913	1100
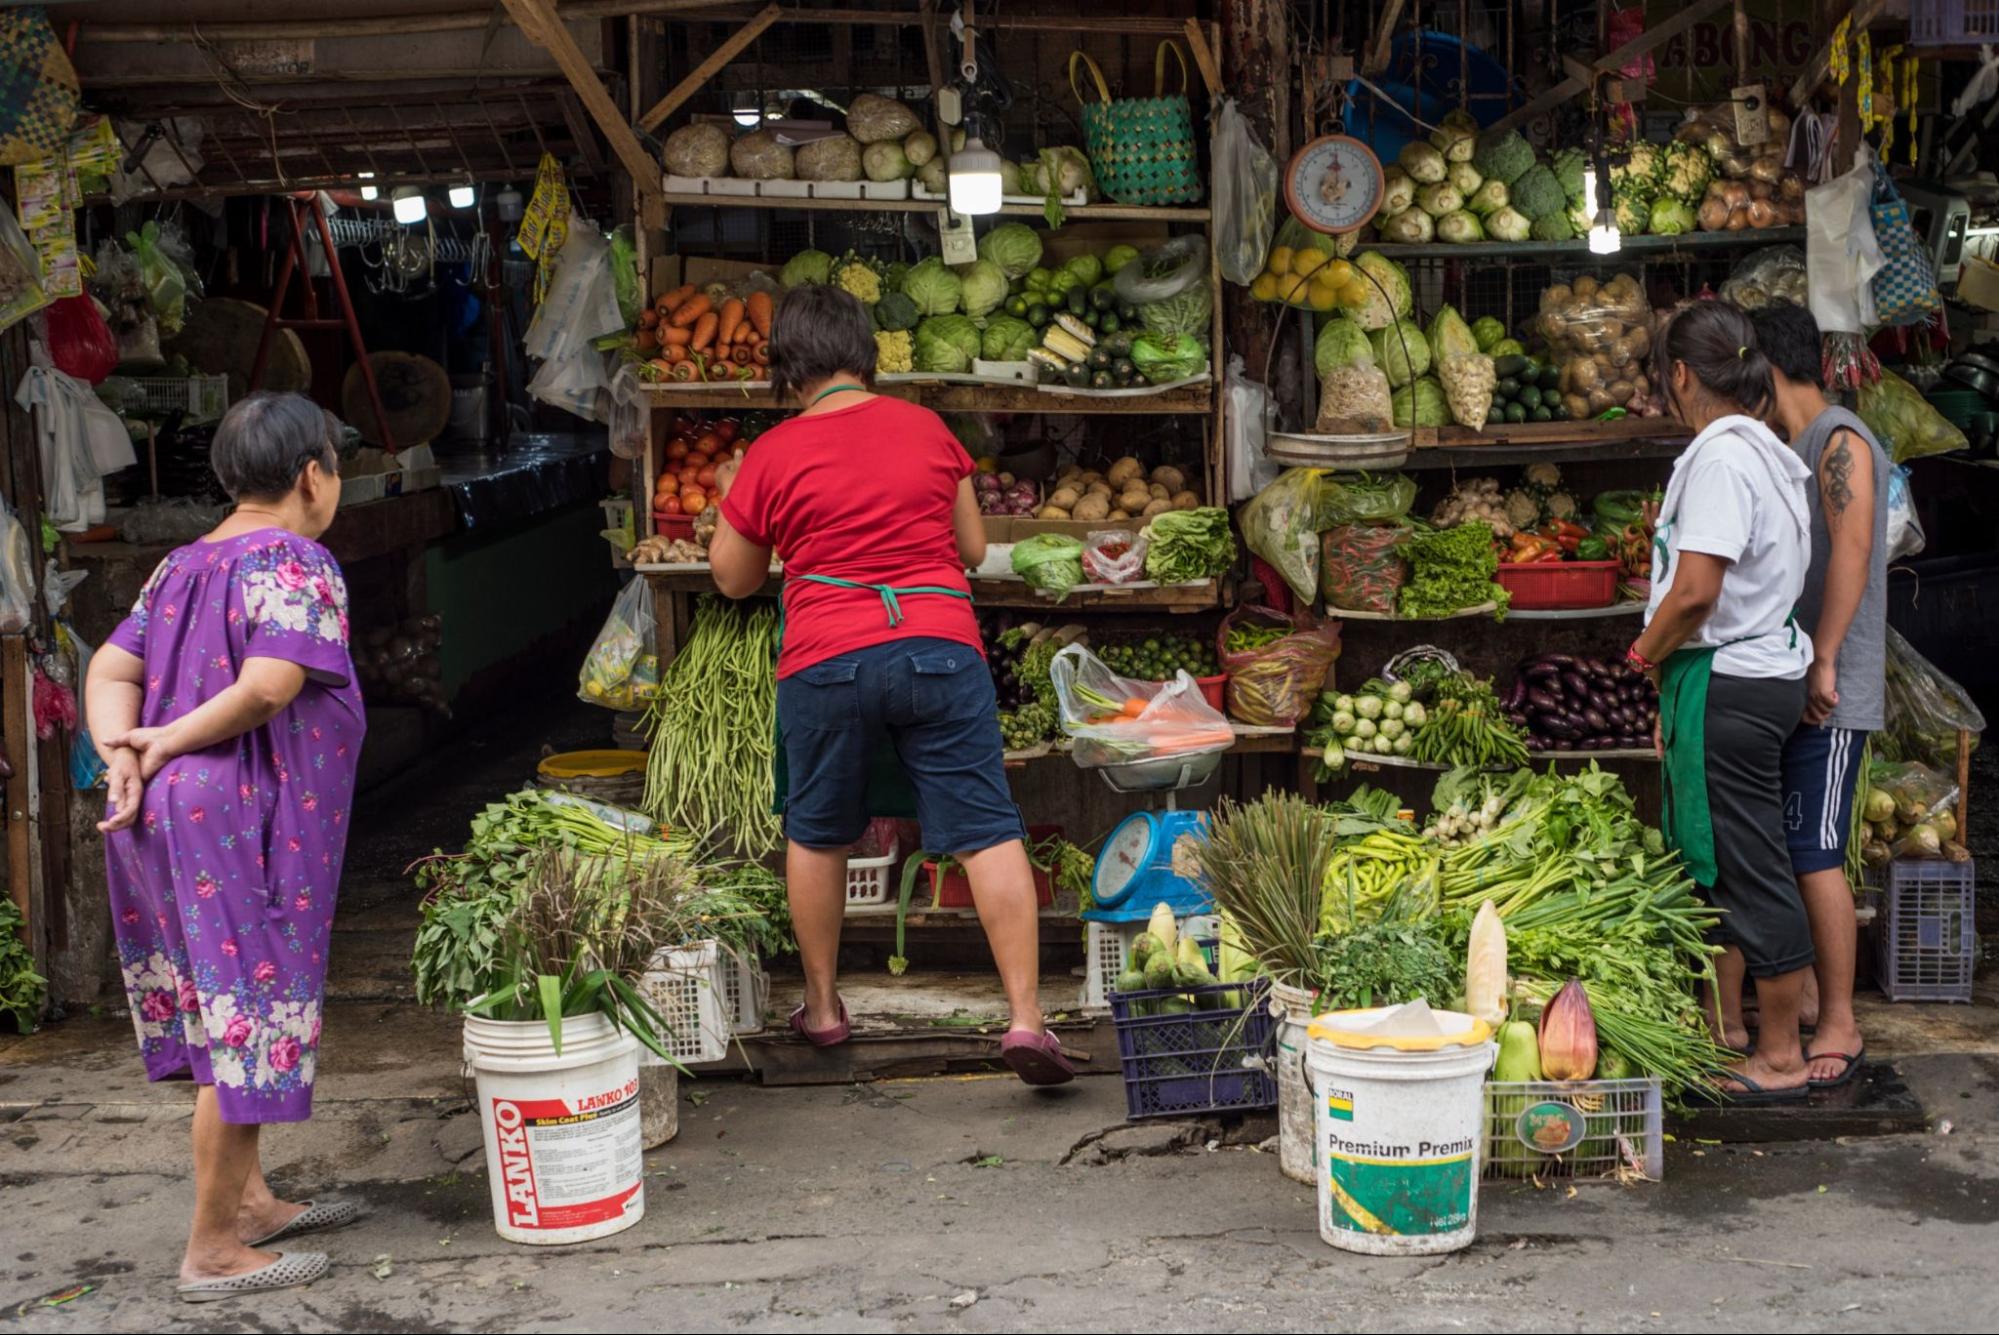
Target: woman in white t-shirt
1729	560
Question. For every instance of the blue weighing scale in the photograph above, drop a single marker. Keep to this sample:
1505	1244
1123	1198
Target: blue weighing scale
1135	869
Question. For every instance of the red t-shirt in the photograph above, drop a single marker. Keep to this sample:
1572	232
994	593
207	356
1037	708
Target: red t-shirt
863	493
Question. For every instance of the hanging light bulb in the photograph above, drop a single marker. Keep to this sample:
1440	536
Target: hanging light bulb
369	191
1604	238
975	179
462	196
410	204
509	205
748	117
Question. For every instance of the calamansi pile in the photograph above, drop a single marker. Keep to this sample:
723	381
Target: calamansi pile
1308	276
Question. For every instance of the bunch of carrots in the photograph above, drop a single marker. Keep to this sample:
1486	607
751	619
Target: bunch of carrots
685	337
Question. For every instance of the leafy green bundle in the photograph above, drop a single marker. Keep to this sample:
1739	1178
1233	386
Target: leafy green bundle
1449	570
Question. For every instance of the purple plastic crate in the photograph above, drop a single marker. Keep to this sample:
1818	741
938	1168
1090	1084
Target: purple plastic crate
1178	1064
1926	931
1953	22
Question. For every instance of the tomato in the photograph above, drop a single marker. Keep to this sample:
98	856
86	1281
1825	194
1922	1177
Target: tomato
693	500
684	425
727	429
706	477
708	443
698	459
667	505
676	449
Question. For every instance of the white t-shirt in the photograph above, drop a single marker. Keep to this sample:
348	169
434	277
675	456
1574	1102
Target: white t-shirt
1740	494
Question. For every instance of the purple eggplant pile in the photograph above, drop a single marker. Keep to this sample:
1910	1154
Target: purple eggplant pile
1568	703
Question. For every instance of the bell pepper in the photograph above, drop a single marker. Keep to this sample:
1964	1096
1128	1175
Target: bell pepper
1592	549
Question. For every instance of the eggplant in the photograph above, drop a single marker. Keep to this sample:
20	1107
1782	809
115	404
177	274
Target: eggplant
1540	671
1515	693
1545	701
1634	741
1594	720
1576	684
1564	726
1559	660
1536	743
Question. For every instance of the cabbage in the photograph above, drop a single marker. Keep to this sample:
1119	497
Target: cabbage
920	147
1401	351
1398	192
835	159
946	343
807	266
1439	198
886	161
1163	359
1007	339
1424	163
1507	347
1411	227
1457	136
1464	178
1389	300
1488	199
933	287
1459	228
1486	331
1508	224
1341	342
982	287
1088	269
1013	246
1422	403
1450	336
1670	217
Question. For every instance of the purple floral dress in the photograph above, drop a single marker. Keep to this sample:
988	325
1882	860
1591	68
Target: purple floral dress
222	892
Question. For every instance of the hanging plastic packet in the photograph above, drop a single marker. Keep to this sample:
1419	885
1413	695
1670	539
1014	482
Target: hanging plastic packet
1905	530
1246	182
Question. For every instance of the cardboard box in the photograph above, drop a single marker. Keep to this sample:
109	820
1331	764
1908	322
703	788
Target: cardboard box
670	271
1978	283
1094	238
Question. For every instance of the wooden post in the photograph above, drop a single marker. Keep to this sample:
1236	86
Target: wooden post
20	733
706	71
538	20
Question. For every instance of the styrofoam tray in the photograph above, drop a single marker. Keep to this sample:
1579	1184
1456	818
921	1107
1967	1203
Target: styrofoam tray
1135	392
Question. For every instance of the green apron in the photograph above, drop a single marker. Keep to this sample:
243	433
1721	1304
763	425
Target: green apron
889	791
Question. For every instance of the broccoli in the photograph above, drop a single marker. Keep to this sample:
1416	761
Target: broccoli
1568	167
1553	227
1504	157
1538	194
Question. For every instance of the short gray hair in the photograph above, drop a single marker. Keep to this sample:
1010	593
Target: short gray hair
264	443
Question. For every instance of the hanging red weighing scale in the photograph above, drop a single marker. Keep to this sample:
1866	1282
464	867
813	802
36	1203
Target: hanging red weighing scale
1334	184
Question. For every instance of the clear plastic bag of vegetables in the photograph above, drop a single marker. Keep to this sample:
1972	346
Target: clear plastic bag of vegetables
1907	424
1169	285
1352	498
1245	196
1282	524
1775	273
1925	709
1908	809
621	671
1361	566
1599	334
1277	664
1114	720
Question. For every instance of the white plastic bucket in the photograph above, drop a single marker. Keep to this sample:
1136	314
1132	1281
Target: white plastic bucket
1399	1124
659	1105
562	1132
1295	1129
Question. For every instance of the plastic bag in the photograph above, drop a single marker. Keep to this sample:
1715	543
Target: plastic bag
1600	336
625	276
165	266
1907	424
1712	129
1905	530
1049	562
1113	556
1924	708
1907	809
621	671
1274	685
582	300
86	767
629	410
17	573
80	343
1114	720
1775	273
1245	196
1841	253
21	291
1282	524
1353	498
1354	401
1361	567
1169	285
1247	417
1290	286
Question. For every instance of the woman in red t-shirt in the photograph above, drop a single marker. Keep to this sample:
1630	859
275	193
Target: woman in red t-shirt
868	501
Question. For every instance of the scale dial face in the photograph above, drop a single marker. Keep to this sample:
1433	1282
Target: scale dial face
1334	185
1125	853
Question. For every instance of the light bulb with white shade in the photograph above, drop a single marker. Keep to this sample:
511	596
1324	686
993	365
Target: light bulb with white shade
369	192
975	179
410	205
461	196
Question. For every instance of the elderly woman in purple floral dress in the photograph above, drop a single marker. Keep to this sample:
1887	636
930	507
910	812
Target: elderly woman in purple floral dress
226	711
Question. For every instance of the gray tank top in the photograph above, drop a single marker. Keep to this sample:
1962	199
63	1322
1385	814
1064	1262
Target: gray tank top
1862	654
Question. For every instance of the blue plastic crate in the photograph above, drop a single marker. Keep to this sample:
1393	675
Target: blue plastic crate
1213	1058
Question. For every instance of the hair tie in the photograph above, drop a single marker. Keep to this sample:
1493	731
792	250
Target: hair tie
1742	352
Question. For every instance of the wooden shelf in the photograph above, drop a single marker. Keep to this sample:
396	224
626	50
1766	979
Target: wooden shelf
1070	212
948	397
1628	608
1578	251
1565	453
1592	434
1533	758
1002	593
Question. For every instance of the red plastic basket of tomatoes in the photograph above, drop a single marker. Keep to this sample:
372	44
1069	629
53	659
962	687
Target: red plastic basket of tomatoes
686	483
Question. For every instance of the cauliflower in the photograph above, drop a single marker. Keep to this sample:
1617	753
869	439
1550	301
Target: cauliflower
856	277
1685	173
895	350
1638	174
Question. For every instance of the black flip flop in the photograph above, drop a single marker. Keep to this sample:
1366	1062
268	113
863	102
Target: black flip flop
1853	1060
1753	1095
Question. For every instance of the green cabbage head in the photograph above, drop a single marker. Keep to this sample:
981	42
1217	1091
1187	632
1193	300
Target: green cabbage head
933	287
1421	403
1007	339
1401	351
1013	246
1341	342
947	343
982	287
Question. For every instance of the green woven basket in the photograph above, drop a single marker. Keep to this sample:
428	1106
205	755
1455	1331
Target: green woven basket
1142	149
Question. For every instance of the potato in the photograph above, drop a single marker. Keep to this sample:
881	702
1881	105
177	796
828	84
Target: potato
1090	475
1134	499
1098	488
1584	287
1119	516
1159	491
1052	511
1577	405
1620	352
1582	374
1159	506
1092	507
1065	497
1558	295
1124	470
1186	500
1599	399
1640	339
1619	391
1170	478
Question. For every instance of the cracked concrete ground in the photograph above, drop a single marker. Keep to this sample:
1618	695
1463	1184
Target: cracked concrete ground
966	1203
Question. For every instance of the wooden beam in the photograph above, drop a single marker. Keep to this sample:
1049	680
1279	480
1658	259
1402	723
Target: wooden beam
1649	40
396	25
1384	32
1204	58
738	42
537	19
1863	13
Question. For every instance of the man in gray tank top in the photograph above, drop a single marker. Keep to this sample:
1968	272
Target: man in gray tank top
1845	610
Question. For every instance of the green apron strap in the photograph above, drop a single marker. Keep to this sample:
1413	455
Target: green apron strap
889	593
1683	683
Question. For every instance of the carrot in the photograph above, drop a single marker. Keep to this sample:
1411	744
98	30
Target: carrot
761	353
704	331
692	309
648	318
674	300
1133	707
674	352
732	319
658	367
674	338
646	341
682	372
740	354
760	307
719	369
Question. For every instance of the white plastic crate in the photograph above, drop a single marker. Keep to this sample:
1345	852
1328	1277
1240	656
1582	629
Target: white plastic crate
868	879
745	991
1622	1128
687	987
1108	943
1926	931
204	398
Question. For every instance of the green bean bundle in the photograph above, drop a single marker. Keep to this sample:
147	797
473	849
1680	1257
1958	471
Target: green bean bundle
713	725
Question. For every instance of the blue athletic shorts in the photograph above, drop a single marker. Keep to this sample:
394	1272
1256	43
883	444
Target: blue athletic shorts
1821	776
933	699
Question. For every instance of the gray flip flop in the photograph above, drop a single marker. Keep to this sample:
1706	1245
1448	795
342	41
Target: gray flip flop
318	1216
289	1270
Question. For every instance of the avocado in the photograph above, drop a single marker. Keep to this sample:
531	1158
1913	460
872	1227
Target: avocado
1539	413
1510	366
1530	395
1516	412
1508	388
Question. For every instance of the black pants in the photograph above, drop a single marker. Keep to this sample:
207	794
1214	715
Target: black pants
1748	721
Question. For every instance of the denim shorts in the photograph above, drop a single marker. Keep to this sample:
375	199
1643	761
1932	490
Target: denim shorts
933	701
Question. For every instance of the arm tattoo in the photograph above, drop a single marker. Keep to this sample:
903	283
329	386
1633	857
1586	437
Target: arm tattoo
1838	483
